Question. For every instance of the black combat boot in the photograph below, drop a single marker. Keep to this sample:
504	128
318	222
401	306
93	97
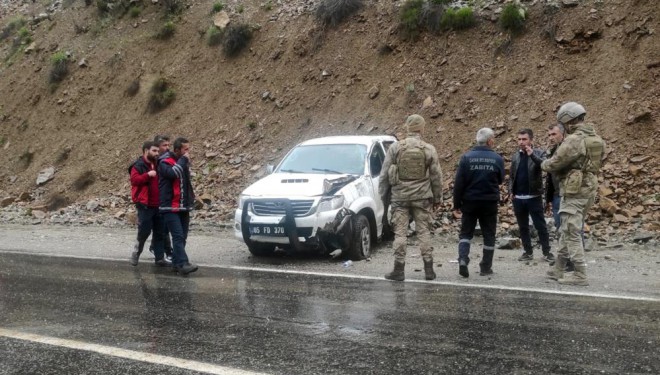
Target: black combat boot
463	268
135	255
397	273
428	269
486	264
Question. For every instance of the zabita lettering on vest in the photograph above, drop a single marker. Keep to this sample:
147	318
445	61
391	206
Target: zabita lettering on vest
482	167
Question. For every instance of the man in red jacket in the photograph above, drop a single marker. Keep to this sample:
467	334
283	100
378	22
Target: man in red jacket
145	195
163	143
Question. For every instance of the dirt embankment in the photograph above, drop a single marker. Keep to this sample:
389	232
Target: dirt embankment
298	81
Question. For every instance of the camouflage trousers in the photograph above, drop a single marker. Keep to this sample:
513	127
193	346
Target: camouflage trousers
572	212
421	212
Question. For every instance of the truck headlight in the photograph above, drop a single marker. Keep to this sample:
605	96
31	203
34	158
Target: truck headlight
241	199
331	203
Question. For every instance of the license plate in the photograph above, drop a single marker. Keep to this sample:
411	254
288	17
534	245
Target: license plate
267	230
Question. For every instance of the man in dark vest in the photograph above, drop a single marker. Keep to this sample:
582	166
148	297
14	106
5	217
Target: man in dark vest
476	196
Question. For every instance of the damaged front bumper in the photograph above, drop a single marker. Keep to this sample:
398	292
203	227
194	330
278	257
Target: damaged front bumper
322	231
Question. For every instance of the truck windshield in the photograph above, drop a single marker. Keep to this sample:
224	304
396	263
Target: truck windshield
326	159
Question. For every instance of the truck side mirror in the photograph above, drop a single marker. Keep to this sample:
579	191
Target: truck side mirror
270	168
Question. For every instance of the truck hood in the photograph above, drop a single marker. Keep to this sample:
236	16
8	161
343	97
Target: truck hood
289	184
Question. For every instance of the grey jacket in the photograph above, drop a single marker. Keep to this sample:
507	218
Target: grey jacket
535	173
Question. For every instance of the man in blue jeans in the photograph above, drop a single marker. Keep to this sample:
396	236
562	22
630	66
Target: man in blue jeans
526	189
177	200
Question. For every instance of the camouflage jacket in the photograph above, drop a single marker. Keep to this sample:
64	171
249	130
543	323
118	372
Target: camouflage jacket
572	156
430	187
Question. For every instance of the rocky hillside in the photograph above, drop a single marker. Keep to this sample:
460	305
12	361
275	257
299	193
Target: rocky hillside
298	79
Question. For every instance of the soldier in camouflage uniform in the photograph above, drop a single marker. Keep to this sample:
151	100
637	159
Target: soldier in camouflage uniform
576	163
412	181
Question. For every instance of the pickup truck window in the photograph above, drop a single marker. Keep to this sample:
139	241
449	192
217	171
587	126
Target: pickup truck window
376	160
324	159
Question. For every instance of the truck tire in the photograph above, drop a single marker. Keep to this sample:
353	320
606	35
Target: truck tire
360	246
259	249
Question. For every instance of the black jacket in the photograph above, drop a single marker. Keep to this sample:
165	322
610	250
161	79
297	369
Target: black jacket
551	180
535	173
479	176
176	191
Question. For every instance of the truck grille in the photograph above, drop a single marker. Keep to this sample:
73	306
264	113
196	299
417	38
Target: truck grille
276	208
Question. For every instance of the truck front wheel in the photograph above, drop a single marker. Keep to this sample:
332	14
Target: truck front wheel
360	243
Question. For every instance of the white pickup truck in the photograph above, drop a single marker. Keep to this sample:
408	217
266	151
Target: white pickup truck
322	196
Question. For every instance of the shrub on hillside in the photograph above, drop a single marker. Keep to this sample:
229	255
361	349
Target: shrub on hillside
333	12
173	6
25	159
84	180
460	19
217	7
12	26
134	12
166	31
116	8
411	19
161	95
59	67
213	36
24	34
133	88
236	39
432	14
512	18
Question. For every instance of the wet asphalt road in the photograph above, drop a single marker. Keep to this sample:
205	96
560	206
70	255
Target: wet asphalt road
304	324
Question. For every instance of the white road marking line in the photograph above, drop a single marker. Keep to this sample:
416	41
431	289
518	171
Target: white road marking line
373	278
156	359
450	283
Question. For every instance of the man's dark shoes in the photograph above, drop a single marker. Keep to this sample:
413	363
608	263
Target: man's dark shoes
463	268
135	256
485	271
163	263
526	256
548	257
186	269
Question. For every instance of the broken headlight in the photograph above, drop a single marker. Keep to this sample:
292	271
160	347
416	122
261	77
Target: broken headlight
331	203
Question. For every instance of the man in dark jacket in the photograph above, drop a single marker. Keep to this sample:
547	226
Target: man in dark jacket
476	196
163	143
526	189
176	200
144	193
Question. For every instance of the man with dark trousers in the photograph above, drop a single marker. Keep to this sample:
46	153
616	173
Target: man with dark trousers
144	193
177	200
476	196
163	143
526	189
